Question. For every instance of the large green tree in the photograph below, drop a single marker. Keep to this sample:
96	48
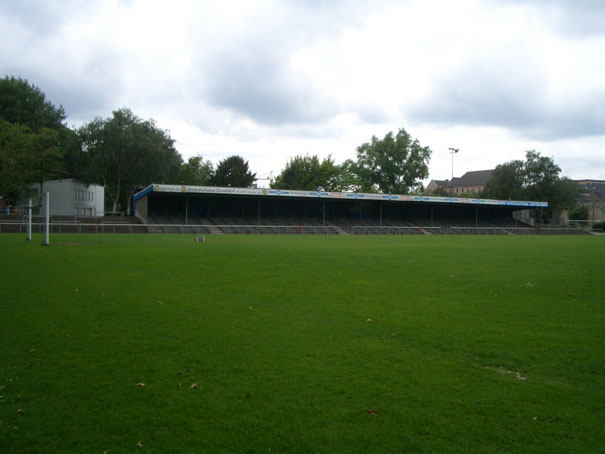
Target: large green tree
14	160
25	104
27	157
197	171
507	182
233	172
308	173
537	178
396	164
125	153
45	157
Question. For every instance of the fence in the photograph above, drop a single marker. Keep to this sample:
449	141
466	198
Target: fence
73	227
393	230
126	227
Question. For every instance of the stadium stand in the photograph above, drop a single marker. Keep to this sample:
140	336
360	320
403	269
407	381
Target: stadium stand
211	210
174	209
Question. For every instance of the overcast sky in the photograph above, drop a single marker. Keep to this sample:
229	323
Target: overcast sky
272	79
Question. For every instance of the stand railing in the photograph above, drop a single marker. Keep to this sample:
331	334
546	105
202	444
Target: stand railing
126	227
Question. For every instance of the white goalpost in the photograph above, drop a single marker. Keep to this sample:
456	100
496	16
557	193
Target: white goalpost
29	220
30	209
47	221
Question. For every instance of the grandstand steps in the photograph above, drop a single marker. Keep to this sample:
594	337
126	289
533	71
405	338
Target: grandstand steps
338	229
214	230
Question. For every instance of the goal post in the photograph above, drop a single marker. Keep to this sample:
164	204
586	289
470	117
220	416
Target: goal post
40	201
29	220
47	221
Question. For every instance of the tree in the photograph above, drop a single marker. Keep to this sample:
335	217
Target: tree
14	160
197	172
346	178
396	164
506	182
308	173
45	157
439	191
233	172
25	104
537	178
580	213
27	157
126	153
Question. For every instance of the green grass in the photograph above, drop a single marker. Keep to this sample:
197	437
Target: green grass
483	344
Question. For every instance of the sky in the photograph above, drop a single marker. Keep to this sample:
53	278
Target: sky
269	80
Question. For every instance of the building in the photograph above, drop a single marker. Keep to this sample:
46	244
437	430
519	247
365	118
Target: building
68	197
474	181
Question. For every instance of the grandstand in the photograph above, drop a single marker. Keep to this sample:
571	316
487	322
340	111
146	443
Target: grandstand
216	210
202	210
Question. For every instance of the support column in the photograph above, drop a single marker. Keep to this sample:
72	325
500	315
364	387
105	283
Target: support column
323	213
380	205
186	210
258	211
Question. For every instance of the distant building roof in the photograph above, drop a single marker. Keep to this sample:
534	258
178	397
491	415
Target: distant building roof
596	186
474	178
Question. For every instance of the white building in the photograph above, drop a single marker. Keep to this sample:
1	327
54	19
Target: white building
69	197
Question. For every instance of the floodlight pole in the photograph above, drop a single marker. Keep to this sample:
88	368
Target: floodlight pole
29	220
452	151
46	234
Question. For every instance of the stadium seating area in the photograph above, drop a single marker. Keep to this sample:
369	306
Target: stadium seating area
413	225
314	226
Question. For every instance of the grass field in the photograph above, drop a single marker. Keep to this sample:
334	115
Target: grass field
302	344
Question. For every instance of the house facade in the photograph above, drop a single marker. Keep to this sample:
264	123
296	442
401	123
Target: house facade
470	182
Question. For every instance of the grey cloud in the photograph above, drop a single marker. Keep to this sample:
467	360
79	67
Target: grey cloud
250	74
40	17
84	83
508	91
372	114
84	89
577	17
259	86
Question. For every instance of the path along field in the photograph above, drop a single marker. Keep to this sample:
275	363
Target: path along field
155	343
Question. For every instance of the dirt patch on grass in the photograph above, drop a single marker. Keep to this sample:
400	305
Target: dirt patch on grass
506	372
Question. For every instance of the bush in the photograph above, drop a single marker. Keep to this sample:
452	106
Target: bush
579	213
599	226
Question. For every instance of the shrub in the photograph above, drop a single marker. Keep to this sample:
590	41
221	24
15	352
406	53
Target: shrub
599	226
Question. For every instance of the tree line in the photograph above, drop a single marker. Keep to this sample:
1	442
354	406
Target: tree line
125	153
536	178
